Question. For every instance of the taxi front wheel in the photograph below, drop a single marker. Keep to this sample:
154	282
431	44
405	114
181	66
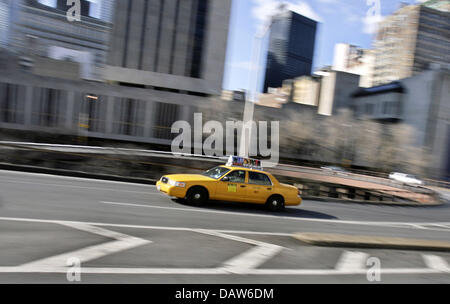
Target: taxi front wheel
275	203
197	196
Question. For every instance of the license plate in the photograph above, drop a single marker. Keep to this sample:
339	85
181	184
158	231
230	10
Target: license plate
158	187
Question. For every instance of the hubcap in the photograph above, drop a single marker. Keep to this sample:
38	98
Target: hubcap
275	203
197	196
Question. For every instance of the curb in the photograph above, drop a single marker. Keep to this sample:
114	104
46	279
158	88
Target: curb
61	172
373	242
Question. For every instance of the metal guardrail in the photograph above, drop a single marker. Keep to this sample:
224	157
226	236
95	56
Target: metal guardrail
333	188
78	149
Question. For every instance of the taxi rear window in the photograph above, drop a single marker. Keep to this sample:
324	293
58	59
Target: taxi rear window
256	178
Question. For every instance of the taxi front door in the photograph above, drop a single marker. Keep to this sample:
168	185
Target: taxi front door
232	187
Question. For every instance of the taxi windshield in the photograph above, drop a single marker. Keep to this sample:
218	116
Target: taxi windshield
216	172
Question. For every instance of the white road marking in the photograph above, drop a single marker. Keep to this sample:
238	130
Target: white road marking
440	225
82	187
81	179
437	265
363	223
252	258
141	226
352	261
230	237
122	242
436	262
300	272
218	271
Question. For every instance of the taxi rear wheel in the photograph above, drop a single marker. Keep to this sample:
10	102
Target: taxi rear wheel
197	196
275	203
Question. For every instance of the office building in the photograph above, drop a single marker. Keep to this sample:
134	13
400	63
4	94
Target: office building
5	11
420	101
175	45
355	60
411	39
306	90
336	89
291	48
40	30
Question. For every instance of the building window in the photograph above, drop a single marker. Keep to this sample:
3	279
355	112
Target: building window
46	109
93	110
165	115
11	103
129	117
370	109
200	30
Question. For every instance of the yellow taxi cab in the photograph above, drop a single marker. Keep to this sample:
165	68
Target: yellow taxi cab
240	180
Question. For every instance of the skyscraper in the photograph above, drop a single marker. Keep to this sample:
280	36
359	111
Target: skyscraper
291	48
170	44
410	40
355	60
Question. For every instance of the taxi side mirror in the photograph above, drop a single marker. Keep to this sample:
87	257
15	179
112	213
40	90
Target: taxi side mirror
226	179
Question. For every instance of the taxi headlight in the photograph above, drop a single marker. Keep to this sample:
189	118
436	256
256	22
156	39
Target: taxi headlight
176	184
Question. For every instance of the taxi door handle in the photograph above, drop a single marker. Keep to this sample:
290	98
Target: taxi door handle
243	186
270	189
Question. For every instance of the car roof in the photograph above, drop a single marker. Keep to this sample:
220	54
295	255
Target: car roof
245	169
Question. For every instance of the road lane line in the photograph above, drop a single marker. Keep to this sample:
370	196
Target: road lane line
301	272
30	220
364	223
352	261
436	262
81	179
218	271
122	242
230	237
43	221
80	187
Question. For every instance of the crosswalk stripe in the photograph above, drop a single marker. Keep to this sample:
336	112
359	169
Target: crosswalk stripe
436	262
352	261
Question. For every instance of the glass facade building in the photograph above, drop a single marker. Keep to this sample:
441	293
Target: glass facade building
291	48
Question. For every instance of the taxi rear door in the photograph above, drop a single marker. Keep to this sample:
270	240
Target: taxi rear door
260	187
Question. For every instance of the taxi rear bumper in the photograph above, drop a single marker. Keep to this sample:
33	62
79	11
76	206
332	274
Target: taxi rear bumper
294	202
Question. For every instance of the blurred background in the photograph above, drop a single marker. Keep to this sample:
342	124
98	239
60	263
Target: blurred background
353	87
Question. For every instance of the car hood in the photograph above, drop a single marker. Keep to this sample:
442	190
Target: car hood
189	177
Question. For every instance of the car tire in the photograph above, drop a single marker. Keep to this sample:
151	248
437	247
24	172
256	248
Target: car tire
275	203
197	196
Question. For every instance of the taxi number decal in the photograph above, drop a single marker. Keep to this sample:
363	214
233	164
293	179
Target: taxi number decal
232	188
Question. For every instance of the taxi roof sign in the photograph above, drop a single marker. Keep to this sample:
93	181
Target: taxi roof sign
236	161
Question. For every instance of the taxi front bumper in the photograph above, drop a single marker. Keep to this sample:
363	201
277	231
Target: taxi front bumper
171	191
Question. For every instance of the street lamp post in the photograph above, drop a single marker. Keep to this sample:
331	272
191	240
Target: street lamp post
252	96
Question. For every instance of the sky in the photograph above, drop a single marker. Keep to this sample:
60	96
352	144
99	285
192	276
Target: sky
340	21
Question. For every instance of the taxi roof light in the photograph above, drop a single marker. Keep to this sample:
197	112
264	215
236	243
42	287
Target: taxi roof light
236	161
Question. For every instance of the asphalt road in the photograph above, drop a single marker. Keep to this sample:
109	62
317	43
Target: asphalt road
129	233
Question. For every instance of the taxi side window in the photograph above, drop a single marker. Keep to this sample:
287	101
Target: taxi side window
237	176
259	179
